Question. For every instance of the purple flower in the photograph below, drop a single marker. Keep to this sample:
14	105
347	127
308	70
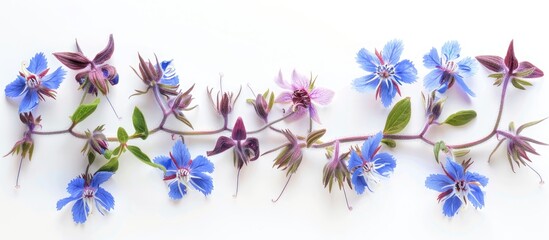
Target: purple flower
86	192
98	74
302	94
182	171
34	83
160	76
97	141
446	71
245	149
386	71
335	170
367	165
456	186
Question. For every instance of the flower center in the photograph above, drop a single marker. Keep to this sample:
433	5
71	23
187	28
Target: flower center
88	193
448	73
183	175
385	71
460	187
369	172
301	97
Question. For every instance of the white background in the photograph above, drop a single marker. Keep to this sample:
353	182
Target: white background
249	41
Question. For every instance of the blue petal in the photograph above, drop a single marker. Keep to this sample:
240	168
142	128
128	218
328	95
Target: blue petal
451	206
387	163
405	72
392	51
355	161
166	162
368	82
80	211
181	154
367	60
15	88
387	92
100	177
370	145
439	182
201	164
476	196
432	60
475	177
177	190
104	198
169	76
53	80
76	186
202	182
454	169
467	67
61	203
29	102
463	86
431	81
451	50
38	63
358	181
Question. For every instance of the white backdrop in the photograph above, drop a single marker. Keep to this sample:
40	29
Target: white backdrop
249	41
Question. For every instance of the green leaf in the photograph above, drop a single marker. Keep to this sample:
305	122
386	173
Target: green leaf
314	136
496	75
136	151
83	111
271	100
398	117
460	118
107	154
525	73
461	152
439	146
110	166
529	124
140	124
389	142
517	84
122	135
91	157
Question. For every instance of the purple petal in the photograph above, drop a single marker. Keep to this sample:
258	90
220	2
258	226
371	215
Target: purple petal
510	59
523	66
493	63
298	114
239	130
322	96
280	81
106	53
313	114
223	143
284	97
251	148
299	81
74	61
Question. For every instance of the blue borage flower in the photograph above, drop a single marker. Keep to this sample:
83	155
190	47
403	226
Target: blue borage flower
457	185
181	171
367	165
34	83
446	70
161	77
387	73
86	192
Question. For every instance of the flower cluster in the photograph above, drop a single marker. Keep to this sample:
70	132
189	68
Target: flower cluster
348	166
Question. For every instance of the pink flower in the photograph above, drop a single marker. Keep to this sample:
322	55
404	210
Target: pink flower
302	94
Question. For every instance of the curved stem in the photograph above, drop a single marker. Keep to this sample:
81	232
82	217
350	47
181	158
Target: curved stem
269	124
283	189
189	133
158	98
51	132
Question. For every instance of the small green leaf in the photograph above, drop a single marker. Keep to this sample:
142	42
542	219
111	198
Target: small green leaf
528	124
525	73
250	101
83	111
140	124
460	118
136	151
439	146
271	100
389	142
517	84
107	154
461	152
496	75
91	157
116	151
122	135
398	117
110	166
314	136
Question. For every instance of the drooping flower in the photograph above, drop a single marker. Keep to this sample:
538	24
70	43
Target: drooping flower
386	71
509	69
261	107
97	141
518	146
98	74
302	95
224	101
182	171
336	171
446	71
159	76
433	106
34	83
26	144
87	193
367	165
182	103
456	186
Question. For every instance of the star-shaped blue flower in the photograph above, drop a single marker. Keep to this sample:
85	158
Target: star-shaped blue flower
86	192
457	185
368	165
386	71
182	171
34	83
446	70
